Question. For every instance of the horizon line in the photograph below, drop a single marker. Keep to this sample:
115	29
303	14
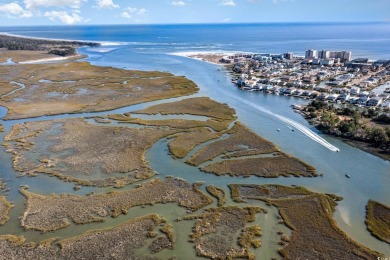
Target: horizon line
203	23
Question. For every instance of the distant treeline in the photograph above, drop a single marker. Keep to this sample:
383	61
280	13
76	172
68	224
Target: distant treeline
62	48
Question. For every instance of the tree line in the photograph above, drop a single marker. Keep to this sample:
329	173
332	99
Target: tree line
58	47
362	124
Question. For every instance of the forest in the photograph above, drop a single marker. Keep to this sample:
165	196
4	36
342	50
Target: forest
57	47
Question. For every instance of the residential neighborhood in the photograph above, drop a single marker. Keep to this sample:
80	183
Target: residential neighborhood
324	75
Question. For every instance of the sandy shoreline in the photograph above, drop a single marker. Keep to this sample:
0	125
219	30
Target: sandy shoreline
50	59
207	56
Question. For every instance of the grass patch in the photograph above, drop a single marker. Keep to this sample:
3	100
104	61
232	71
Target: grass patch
5	207
315	233
71	87
378	220
53	212
201	106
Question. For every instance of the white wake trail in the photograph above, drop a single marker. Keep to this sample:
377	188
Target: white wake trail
303	129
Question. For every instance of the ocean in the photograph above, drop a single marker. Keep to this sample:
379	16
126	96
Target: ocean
155	47
371	40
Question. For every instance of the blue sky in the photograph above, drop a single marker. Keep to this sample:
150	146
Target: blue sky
70	12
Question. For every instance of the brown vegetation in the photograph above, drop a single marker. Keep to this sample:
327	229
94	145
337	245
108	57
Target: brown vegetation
183	143
217	193
221	233
216	125
268	167
74	150
201	106
14	247
378	220
120	242
66	88
315	233
48	213
242	142
24	55
5	207
265	192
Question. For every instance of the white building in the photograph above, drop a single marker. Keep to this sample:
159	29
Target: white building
324	55
311	54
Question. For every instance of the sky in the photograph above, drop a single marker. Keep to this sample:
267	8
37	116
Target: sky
79	12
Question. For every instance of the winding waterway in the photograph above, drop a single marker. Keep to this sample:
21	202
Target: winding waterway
264	114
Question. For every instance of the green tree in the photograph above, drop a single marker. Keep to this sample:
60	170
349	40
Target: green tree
378	135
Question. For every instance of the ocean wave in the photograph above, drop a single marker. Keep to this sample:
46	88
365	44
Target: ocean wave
101	50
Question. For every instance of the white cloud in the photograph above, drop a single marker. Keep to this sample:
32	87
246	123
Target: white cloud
226	20
178	3
281	1
32	4
15	10
106	4
126	15
228	3
137	11
64	17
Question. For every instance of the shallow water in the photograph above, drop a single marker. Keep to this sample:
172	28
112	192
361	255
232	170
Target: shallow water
262	113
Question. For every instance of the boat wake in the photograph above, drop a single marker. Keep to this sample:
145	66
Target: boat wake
303	129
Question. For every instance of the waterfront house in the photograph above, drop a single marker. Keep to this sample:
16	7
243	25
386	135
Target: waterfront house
307	93
323	96
268	88
373	102
297	92
344	97
355	90
332	97
313	95
289	91
362	100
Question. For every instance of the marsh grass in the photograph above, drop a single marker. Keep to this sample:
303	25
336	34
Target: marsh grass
378	220
315	233
5	207
53	212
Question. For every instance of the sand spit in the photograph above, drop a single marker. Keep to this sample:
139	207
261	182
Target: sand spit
201	106
75	150
48	213
120	242
5	207
315	233
221	233
70	87
378	220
